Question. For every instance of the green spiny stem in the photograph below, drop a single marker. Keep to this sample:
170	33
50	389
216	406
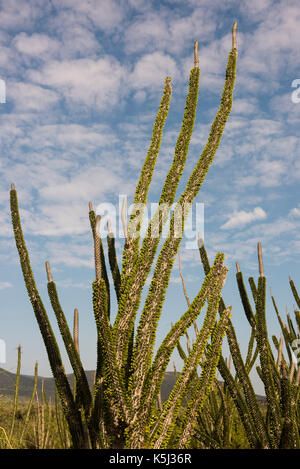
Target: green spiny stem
104	329
265	361
253	288
250	349
297	316
288	437
71	413
245	300
154	379
99	413
250	397
171	408
76	343
251	400
157	291
168	417
112	256
284	329
16	395
81	379
240	404
149	390
247	308
226	415
295	293
278	346
101	305
292	331
30	403
98	247
130	252
100	268
129	364
206	380
253	360
130	298
181	352
207	440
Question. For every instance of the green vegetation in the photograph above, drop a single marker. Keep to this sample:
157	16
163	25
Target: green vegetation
123	408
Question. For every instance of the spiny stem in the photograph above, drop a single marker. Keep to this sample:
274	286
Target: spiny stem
182	279
76	329
97	249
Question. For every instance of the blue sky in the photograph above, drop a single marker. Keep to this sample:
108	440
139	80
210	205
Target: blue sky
83	83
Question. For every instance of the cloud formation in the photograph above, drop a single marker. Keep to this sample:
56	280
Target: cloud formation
242	218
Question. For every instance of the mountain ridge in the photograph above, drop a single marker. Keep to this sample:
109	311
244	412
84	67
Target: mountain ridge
8	379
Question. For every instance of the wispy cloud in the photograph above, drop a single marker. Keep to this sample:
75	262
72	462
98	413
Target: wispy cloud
4	285
96	83
242	218
295	212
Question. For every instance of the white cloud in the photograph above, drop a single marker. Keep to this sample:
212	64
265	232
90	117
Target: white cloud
273	44
168	32
245	106
84	186
295	212
97	83
242	218
28	97
255	8
105	14
36	44
21	13
152	69
4	285
271	172
71	253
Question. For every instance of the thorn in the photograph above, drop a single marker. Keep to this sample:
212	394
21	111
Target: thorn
290	278
234	41
49	275
90	206
196	58
12	186
260	260
237	267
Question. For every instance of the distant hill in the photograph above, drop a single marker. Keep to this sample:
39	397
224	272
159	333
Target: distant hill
7	384
8	380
